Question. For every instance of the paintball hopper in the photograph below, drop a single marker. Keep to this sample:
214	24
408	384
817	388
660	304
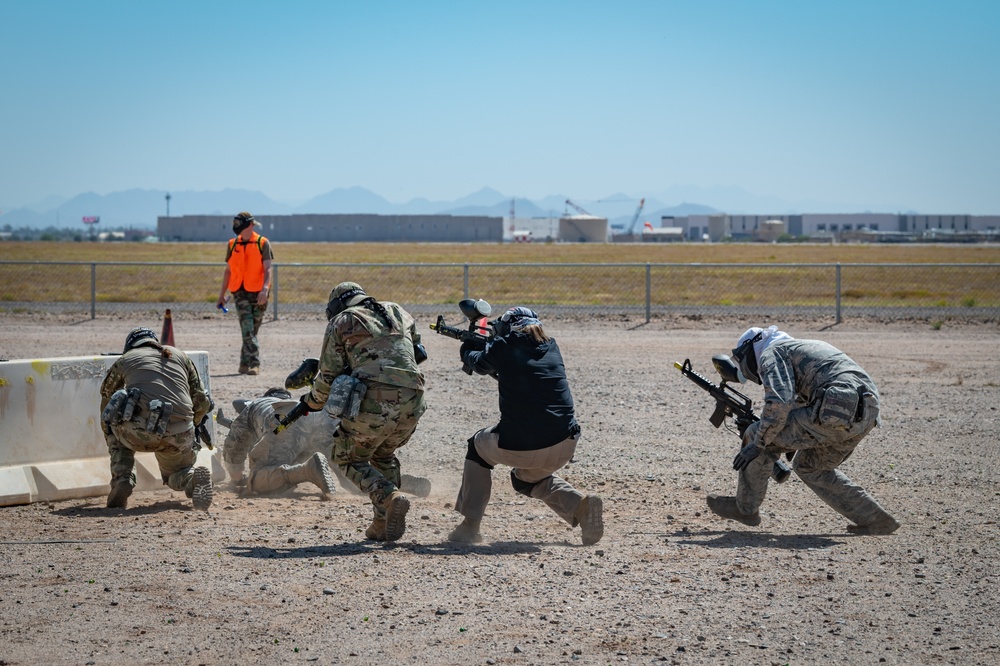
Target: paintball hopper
304	375
474	309
726	368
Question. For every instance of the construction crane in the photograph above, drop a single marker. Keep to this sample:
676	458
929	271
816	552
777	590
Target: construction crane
635	218
577	208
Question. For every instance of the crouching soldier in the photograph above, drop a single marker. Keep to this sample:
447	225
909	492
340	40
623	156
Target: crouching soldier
151	400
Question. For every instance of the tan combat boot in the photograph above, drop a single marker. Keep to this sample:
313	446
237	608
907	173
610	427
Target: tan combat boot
376	531
726	507
201	489
396	506
118	497
415	485
317	471
883	525
590	515
466	531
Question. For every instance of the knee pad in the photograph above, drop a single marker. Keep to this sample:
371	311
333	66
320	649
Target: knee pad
520	486
474	456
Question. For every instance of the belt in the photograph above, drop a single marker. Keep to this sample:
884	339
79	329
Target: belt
390	395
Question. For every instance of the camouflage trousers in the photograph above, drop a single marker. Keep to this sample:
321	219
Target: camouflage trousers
365	447
175	455
819	451
251	315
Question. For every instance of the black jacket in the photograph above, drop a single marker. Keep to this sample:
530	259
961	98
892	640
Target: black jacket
536	406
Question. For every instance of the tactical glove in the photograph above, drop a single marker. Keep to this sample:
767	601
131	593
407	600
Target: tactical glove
746	456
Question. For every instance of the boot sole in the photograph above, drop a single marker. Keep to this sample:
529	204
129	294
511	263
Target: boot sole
592	522
395	518
415	485
201	495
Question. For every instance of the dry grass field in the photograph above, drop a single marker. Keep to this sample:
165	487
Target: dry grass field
434	253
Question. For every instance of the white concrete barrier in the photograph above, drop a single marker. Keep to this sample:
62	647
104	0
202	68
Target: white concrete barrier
51	443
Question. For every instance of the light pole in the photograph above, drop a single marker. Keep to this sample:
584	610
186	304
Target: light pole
168	203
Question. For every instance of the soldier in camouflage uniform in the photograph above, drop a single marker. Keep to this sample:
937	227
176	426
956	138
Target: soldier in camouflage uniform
377	344
299	453
818	404
277	462
157	376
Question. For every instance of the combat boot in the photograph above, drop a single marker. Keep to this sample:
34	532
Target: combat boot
726	507
396	505
255	370
201	488
415	485
244	369
882	525
317	471
376	531
118	497
466	531
590	515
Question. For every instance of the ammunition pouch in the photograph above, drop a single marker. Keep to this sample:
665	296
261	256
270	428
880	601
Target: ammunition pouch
346	394
159	416
131	403
112	414
837	406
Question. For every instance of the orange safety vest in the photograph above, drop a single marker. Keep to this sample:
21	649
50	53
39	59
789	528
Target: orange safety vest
246	266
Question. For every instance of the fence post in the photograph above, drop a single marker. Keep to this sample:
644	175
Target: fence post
465	281
838	292
648	293
93	291
274	290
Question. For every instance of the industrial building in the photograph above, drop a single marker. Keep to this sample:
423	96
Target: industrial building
340	228
837	226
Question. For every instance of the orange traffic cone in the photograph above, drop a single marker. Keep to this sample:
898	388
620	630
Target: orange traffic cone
167	337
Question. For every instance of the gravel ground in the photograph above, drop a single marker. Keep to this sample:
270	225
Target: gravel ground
291	579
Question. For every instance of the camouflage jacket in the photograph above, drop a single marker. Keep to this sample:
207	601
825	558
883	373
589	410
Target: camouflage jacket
358	343
251	434
793	372
174	379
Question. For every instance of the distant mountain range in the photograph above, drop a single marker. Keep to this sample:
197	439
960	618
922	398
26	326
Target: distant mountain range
139	209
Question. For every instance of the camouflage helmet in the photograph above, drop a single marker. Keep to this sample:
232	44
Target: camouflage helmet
139	336
343	296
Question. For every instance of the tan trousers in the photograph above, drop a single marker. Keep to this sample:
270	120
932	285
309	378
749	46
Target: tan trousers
530	467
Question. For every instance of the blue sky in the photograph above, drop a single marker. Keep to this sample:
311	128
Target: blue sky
850	103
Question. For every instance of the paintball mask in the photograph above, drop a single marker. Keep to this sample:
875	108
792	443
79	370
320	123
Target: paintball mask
277	392
745	356
513	320
241	222
139	336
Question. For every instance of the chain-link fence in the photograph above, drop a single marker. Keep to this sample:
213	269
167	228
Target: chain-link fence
837	291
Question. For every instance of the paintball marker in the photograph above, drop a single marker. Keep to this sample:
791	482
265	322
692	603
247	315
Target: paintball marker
478	335
297	412
730	402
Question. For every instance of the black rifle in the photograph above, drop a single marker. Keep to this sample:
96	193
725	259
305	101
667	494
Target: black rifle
730	402
477	335
203	434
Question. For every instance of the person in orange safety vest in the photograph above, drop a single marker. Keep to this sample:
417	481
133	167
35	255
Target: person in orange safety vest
248	279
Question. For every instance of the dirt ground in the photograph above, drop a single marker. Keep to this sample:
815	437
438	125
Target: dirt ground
292	580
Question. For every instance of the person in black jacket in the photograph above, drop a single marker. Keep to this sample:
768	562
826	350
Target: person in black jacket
537	433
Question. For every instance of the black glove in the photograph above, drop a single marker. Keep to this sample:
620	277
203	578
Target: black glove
745	456
303	407
465	349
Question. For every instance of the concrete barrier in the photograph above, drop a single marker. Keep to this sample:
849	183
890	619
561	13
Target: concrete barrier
51	443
